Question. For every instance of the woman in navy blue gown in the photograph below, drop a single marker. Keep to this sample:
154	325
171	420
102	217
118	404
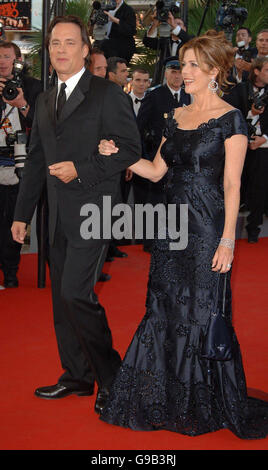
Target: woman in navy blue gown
164	382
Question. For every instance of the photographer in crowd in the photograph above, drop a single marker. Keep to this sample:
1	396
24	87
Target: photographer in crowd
167	46
251	97
262	43
244	54
18	94
120	33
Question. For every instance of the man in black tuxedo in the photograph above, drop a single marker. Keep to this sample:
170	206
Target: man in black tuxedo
120	40
254	193
140	83
70	120
158	102
151	122
244	55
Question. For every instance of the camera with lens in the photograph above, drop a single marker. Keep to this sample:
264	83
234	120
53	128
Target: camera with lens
18	140
260	101
98	16
10	91
230	14
251	129
243	52
2	32
98	19
163	7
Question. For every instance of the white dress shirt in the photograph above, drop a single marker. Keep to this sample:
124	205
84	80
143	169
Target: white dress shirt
136	106
71	83
113	12
175	91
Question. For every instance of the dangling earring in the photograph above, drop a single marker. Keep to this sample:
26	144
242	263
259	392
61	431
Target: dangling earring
213	85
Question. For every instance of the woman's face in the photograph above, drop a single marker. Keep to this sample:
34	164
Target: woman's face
195	79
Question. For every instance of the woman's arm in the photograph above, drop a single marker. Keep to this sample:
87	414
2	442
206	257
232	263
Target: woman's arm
235	151
153	171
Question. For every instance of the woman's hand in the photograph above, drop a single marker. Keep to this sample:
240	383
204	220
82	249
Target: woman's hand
107	147
222	259
256	141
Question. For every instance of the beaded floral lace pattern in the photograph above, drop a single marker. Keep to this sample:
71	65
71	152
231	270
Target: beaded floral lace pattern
163	382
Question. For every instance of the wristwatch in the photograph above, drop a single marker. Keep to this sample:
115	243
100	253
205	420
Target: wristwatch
23	108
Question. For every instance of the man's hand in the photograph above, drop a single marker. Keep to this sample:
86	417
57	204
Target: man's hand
242	65
107	147
18	231
257	141
111	17
171	20
128	175
255	111
19	101
175	22
65	171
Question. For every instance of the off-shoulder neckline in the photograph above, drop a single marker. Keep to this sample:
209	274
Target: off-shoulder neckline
204	124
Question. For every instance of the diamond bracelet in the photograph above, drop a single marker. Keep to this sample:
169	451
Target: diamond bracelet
227	242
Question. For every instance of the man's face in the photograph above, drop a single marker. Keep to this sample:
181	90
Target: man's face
121	74
98	65
180	23
262	75
242	35
262	44
140	83
174	78
67	50
7	57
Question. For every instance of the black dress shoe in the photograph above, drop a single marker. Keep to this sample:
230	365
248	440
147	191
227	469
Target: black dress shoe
101	400
104	277
253	239
11	282
54	392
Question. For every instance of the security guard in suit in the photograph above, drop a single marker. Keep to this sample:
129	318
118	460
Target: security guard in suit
151	122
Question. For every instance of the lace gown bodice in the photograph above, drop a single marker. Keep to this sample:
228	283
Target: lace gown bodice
163	382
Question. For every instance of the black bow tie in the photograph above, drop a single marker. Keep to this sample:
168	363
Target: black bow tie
137	100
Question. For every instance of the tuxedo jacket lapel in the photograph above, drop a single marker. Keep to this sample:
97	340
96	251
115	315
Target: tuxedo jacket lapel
51	104
76	97
184	98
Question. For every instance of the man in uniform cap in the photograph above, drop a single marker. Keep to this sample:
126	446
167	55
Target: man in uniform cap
151	122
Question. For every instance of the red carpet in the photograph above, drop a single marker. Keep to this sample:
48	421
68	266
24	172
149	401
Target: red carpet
29	357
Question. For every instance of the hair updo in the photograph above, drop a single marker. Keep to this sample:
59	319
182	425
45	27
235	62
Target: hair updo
212	49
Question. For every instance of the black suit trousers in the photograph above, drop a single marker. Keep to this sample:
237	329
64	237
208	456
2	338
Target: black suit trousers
82	331
9	250
258	189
